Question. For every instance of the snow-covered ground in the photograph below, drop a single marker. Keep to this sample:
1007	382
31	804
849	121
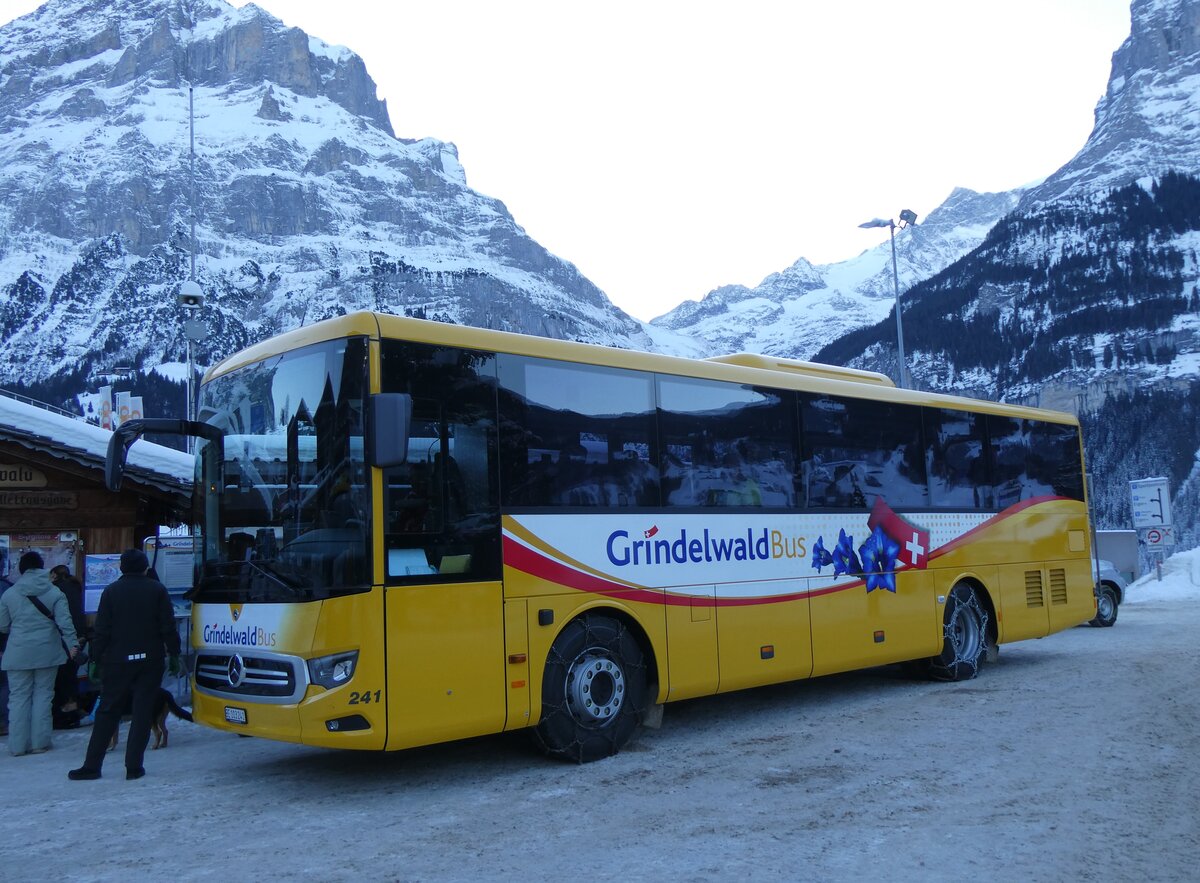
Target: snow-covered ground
1072	758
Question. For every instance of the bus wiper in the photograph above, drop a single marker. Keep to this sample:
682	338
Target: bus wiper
295	588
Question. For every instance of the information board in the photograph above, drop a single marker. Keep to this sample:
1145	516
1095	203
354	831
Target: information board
174	561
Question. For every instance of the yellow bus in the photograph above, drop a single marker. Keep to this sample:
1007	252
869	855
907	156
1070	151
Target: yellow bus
415	532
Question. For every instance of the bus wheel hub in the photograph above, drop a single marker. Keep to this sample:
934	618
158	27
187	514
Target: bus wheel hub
595	688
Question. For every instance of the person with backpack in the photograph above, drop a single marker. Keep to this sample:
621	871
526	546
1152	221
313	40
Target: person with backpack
41	637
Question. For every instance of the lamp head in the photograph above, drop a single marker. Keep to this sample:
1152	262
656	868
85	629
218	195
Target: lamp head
191	295
877	222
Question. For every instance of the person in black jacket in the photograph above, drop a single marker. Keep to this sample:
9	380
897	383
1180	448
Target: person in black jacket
66	685
134	634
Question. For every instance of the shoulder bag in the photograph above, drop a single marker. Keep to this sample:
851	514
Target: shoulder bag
81	657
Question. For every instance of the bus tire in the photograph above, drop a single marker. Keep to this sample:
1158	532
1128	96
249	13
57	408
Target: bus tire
1106	608
965	636
593	692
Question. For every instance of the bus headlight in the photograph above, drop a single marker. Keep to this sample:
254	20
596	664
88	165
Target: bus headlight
332	671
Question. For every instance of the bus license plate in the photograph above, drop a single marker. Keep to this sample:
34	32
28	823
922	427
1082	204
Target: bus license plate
235	715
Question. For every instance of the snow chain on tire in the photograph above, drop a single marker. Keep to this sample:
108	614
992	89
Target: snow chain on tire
594	690
964	636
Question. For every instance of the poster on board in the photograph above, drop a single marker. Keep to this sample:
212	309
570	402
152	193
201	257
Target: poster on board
99	571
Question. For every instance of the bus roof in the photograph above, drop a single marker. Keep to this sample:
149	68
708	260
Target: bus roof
745	368
809	369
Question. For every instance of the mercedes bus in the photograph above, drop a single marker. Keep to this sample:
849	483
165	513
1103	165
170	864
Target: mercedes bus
415	532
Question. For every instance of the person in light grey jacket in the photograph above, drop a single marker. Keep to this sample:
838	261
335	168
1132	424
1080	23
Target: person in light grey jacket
37	646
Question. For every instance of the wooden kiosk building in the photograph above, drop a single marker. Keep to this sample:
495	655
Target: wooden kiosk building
52	494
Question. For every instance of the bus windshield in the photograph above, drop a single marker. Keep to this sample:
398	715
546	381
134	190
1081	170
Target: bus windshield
285	508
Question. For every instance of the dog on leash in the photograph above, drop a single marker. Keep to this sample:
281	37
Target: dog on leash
164	704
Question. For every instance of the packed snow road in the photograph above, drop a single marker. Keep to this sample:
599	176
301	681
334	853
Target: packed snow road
1073	757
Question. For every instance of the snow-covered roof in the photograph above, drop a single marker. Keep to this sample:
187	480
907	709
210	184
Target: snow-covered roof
76	439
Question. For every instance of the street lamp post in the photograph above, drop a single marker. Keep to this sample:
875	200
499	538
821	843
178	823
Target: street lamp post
191	298
907	219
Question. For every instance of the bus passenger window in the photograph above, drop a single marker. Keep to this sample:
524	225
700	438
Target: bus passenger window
576	436
856	451
726	445
955	454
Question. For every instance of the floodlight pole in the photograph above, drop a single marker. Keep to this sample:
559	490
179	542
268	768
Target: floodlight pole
192	175
191	392
907	219
899	324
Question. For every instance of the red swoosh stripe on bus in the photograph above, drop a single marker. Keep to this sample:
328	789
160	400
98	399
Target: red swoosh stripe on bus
536	564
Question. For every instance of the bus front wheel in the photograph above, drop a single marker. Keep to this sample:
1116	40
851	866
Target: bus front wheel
964	636
594	690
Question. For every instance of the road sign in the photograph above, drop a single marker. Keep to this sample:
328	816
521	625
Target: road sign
1151	502
1158	538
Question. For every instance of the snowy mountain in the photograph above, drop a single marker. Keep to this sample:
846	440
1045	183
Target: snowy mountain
306	204
1146	124
1091	286
795	312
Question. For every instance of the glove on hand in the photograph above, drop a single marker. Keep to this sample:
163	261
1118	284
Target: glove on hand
174	667
93	671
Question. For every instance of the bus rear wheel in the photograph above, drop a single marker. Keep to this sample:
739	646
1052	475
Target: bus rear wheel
593	692
965	636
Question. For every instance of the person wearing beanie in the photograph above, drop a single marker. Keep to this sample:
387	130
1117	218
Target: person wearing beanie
41	637
133	637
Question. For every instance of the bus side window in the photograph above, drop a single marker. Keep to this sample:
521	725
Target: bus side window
956	459
726	445
857	450
1009	446
576	436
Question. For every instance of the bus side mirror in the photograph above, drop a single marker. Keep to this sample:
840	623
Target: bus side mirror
390	418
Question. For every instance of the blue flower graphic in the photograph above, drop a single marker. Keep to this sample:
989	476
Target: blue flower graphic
844	559
820	556
879	554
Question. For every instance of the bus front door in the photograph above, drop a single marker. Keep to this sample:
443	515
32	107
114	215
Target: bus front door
445	662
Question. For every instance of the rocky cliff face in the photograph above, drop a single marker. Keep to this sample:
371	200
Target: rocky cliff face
306	204
1147	121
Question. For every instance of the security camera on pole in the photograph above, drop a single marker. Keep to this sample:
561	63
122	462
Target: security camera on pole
191	298
908	218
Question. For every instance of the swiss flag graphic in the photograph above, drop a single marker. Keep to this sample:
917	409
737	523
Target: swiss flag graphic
913	540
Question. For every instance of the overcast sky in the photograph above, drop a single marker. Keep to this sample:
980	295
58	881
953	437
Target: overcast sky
666	147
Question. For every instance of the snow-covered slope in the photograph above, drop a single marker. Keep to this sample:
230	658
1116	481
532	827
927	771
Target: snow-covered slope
795	312
306	204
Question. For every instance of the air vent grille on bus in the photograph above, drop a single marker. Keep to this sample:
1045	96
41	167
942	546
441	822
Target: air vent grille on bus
1058	586
1034	596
